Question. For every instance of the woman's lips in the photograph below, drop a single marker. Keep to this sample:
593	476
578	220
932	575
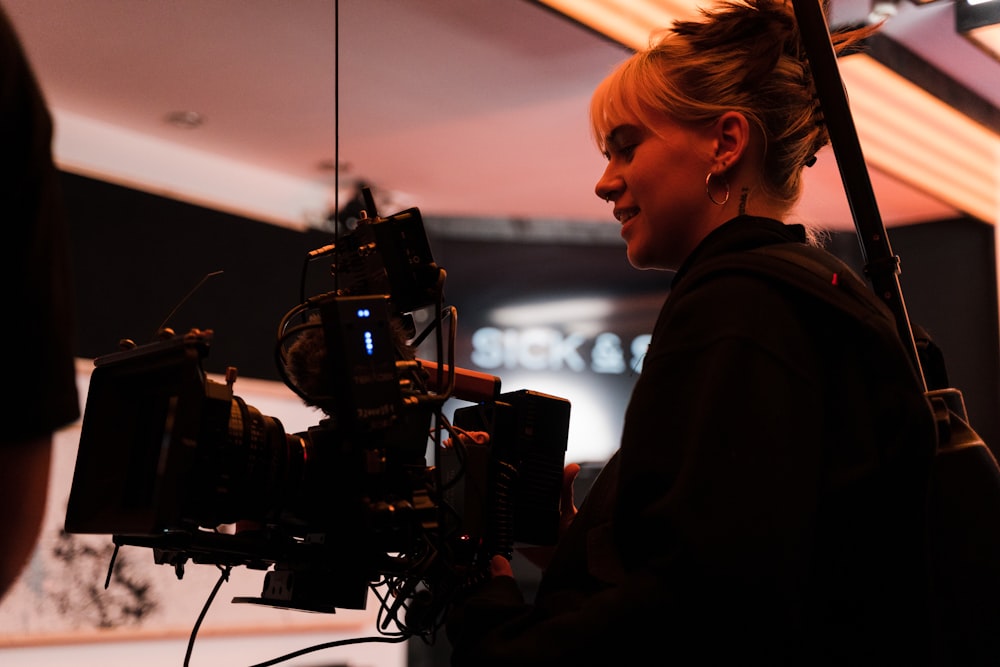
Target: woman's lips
623	215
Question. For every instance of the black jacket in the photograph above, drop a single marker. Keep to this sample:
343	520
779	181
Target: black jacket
766	503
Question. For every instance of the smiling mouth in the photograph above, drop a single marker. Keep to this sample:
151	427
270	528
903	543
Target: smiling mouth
626	214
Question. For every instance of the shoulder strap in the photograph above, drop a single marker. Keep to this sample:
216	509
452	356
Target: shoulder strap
806	268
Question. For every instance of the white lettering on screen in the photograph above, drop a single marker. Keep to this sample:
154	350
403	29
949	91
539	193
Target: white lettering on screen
548	349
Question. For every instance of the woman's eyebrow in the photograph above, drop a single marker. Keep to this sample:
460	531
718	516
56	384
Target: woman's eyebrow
616	133
611	137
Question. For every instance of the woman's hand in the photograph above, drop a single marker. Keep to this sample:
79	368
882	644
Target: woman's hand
567	503
500	567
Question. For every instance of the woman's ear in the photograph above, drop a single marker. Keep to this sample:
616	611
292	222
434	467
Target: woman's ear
731	134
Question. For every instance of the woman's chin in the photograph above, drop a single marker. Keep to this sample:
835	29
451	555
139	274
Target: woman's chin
636	258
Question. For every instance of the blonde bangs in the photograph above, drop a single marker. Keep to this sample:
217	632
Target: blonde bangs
615	102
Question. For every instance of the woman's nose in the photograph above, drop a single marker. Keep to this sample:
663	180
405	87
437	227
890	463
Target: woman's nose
606	187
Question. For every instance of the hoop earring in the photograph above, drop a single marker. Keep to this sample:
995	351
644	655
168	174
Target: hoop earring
708	190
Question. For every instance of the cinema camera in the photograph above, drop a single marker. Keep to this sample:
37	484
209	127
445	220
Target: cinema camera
172	460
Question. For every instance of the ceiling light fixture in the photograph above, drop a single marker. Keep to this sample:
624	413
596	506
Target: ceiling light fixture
186	120
946	144
883	10
979	22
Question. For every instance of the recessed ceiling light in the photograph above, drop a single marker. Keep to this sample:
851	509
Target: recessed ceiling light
187	120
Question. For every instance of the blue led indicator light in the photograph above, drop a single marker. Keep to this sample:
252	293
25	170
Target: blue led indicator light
364	312
369	343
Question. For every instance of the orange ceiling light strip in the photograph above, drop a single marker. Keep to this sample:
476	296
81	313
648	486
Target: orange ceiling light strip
910	134
988	37
628	22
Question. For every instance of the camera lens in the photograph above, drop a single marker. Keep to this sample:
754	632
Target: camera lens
248	468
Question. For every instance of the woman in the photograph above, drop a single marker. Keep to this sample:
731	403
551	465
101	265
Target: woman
765	504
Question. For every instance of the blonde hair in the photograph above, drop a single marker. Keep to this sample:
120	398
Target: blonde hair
743	56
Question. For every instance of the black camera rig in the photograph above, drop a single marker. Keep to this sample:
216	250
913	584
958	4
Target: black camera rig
172	460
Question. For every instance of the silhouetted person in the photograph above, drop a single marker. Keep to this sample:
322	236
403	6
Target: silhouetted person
37	340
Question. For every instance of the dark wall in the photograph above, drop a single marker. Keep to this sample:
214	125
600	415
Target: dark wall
137	255
949	277
949	284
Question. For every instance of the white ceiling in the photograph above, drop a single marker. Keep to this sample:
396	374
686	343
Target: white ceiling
472	108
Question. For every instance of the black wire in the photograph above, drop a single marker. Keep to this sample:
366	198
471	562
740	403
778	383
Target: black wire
224	576
336	139
111	566
184	300
435	324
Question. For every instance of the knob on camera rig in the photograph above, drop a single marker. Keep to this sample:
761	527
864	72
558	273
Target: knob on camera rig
372	495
